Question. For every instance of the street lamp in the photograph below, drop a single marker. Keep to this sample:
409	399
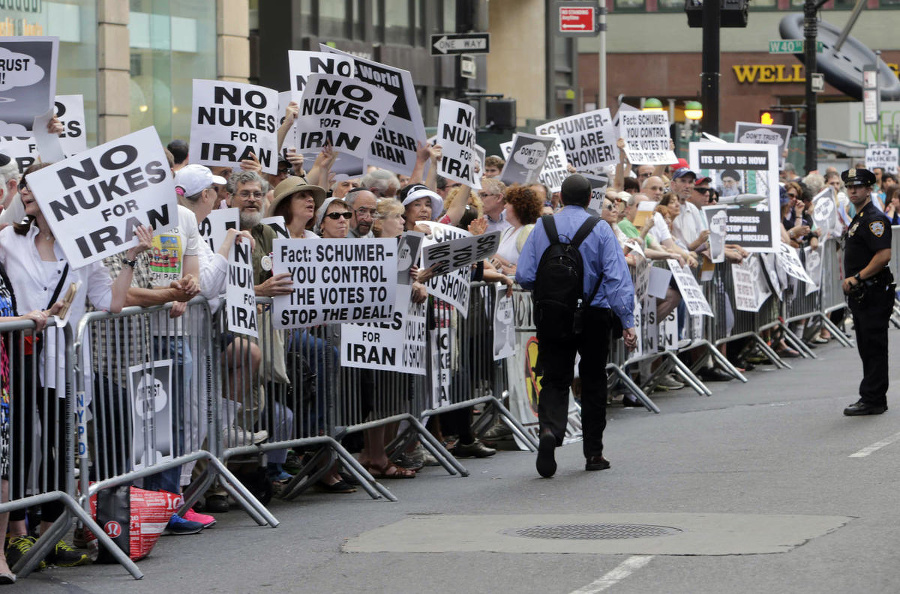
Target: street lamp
652	104
693	111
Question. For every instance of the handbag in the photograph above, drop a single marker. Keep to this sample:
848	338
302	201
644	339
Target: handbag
271	343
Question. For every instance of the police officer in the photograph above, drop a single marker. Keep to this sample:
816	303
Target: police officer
602	258
870	290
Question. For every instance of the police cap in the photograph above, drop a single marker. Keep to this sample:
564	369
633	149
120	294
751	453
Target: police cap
858	177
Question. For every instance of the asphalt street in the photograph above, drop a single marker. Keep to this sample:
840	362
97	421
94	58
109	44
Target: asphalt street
762	487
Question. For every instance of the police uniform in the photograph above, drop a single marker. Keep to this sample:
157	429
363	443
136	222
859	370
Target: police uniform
871	301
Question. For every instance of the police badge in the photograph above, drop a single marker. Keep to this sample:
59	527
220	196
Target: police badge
877	228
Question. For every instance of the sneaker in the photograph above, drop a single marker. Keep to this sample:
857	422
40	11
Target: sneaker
668	382
207	521
63	555
293	464
280	476
178	526
497	431
476	449
236	436
18	547
217	504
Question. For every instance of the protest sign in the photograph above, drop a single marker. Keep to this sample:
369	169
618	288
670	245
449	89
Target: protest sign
335	281
302	64
240	293
448	256
556	167
453	287
589	139
398	345
658	283
763	292
747	290
690	291
345	114
645	212
230	121
744	169
394	147
150	397
717	223
646	135
623	107
599	183
813	266
526	159
456	135
442	345
641	275
755	133
70	111
23	150
883	157
27	81
216	225
771	267
504	325
790	262
95	200
277	225
825	213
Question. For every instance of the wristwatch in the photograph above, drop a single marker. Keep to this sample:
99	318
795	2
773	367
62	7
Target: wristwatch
857	277
131	263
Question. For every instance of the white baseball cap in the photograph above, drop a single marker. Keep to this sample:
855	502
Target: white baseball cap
422	191
193	179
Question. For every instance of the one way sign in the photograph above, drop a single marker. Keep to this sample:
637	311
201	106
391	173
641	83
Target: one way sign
449	44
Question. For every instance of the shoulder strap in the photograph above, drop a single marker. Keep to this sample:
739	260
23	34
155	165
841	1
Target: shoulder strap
584	231
59	286
550	228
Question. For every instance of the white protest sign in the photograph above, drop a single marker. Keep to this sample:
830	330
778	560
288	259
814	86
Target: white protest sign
556	167
717	223
398	345
623	107
215	226
771	266
814	266
277	225
152	405
302	64
745	289
27	81
589	139
448	256
70	111
49	145
395	145
658	283
599	183
240	294
456	135
230	121
504	342
453	287
95	200
345	114
763	292
646	135
825	213
335	281
690	291
442	344
790	262
883	157
22	150
527	157
755	133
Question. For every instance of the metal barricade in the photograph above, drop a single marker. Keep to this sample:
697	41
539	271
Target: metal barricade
895	269
466	374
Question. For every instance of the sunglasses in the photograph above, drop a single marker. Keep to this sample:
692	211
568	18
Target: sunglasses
791	195
610	207
702	190
339	215
23	185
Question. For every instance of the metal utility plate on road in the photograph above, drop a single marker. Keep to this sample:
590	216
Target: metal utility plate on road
687	534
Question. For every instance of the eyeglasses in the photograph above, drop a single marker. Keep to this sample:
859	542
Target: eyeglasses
339	215
792	195
248	194
284	171
483	195
610	207
366	211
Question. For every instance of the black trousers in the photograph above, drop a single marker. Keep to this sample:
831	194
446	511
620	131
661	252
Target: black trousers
871	318
558	362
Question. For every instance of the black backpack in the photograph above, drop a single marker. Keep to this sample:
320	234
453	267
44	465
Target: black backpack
558	293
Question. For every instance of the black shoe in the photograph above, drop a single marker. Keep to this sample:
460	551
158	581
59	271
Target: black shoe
476	449
860	408
546	463
714	374
628	402
216	504
596	463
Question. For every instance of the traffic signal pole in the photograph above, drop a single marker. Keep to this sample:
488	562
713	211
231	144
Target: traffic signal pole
810	31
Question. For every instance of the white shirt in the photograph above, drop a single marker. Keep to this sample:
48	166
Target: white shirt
501	224
660	229
688	225
508	249
34	283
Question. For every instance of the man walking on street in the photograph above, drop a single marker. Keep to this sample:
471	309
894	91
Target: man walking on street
578	249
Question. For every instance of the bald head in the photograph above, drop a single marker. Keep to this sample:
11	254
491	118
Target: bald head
654	188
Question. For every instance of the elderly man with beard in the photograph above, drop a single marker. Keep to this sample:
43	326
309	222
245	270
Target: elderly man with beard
364	203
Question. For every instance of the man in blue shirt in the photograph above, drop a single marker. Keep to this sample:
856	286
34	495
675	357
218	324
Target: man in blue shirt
602	258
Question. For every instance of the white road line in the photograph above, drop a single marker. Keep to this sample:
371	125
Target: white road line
625	569
876	446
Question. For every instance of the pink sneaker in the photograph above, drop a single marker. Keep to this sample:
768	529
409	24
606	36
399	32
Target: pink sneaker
192	516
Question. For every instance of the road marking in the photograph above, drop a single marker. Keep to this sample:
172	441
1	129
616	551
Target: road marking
625	569
876	446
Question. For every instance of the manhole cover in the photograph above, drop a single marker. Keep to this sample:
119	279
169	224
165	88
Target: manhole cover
592	531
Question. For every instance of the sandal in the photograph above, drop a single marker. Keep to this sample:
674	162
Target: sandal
390	471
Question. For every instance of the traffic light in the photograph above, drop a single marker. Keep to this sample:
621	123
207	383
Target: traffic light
787	117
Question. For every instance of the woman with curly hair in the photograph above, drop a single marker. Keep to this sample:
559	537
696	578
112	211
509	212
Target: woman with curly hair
523	208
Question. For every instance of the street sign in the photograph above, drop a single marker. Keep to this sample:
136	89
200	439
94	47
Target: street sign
451	44
818	82
578	19
791	46
467	66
